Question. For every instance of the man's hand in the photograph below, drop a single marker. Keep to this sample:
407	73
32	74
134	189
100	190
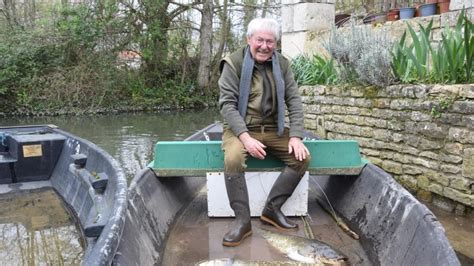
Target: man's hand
297	146
254	147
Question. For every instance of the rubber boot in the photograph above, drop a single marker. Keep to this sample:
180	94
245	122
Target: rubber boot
239	202
281	191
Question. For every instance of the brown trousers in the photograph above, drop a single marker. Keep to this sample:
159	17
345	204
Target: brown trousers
235	155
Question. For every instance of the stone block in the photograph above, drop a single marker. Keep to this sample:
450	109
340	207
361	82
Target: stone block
450	158
424	195
375	122
395	125
408	182
426	163
366	132
371	152
468	121
313	17
460	4
420	116
392	167
431	130
461	135
467	91
446	90
436	188
468	163
382	134
402	104
461	183
423	182
287	14
381	103
463	107
375	160
313	109
429	155
444	203
293	44
451	119
312	90
454	148
386	155
449	168
356	92
412	170
437	177
459	196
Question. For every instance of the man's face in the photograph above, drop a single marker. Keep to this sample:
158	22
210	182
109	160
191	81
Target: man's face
262	44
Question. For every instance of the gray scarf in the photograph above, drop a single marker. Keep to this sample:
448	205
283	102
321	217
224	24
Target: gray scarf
246	80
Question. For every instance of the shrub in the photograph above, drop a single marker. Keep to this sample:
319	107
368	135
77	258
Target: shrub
313	70
363	55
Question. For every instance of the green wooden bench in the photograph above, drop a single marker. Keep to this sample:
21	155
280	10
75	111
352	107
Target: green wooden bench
196	158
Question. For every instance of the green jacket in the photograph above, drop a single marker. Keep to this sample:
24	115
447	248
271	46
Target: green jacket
229	80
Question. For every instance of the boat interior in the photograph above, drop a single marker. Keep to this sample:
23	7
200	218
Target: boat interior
88	180
168	223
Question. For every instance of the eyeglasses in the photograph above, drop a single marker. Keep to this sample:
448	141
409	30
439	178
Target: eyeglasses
260	42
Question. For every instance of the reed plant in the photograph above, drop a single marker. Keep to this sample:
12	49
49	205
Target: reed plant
449	62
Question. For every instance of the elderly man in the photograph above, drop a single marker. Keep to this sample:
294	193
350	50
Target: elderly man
255	85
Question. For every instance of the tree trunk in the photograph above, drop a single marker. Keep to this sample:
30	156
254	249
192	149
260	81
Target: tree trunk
223	35
205	44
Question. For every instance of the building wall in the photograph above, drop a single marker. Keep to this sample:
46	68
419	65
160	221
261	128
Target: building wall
421	134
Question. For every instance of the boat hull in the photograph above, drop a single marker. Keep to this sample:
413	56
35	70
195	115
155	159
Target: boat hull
88	179
394	228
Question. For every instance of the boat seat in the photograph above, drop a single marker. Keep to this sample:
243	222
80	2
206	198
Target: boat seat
328	157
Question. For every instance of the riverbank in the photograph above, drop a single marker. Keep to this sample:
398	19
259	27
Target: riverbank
116	109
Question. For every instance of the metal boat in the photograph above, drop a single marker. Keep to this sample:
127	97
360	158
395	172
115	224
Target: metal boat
167	221
89	181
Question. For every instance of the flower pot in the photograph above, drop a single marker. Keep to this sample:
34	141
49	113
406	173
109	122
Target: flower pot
393	14
427	10
417	9
407	12
340	19
443	7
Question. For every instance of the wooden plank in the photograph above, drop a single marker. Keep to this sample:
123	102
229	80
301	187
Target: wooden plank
196	158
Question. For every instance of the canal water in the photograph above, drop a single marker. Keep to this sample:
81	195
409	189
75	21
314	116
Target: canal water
37	229
130	138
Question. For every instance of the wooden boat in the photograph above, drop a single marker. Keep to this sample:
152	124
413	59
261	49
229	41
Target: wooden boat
89	180
167	221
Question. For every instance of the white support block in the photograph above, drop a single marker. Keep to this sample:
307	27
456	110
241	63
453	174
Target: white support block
259	185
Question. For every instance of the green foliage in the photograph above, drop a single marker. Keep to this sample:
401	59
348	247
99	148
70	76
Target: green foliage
450	62
363	56
313	70
444	104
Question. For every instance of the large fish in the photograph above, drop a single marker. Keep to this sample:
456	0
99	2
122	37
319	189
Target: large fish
236	262
304	250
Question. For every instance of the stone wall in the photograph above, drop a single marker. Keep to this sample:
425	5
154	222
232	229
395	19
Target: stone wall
421	134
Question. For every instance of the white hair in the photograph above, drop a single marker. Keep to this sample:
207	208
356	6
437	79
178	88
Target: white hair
264	24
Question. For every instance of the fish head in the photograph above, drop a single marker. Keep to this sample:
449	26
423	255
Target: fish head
323	254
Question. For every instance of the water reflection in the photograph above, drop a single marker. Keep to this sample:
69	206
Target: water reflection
128	137
36	229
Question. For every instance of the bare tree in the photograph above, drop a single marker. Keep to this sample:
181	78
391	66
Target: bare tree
205	45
